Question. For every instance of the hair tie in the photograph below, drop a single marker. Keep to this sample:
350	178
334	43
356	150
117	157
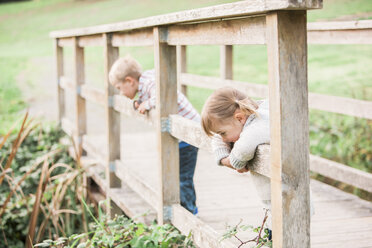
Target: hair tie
237	101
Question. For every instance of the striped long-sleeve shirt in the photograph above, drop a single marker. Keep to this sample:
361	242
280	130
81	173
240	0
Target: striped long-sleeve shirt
147	93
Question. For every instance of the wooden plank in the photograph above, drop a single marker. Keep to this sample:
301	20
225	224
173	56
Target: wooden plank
287	58
94	151
79	102
124	105
226	62
358	36
340	172
93	94
64	42
339	25
143	37
166	104
334	104
59	73
341	105
181	67
138	185
230	10
91	40
67	126
67	84
112	117
232	32
203	235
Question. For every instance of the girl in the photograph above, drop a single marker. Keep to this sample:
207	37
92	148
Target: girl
238	125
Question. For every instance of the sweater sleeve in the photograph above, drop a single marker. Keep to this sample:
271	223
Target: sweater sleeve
220	149
257	132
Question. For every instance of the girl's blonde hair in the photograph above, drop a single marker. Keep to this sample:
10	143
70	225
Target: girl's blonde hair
124	67
221	106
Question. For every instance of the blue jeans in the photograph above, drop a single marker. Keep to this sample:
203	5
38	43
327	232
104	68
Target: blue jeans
188	157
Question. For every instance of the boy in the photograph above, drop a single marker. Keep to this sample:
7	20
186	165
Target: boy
126	75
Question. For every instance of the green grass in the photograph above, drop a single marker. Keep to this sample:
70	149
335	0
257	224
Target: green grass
341	70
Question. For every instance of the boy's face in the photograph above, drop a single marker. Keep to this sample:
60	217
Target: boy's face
127	88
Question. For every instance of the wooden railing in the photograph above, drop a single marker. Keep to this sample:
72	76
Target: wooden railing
281	25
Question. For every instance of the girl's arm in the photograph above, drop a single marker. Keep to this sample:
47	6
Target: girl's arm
220	149
258	132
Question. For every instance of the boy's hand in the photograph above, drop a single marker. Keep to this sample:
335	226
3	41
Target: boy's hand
141	107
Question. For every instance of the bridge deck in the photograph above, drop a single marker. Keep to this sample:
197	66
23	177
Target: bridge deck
225	197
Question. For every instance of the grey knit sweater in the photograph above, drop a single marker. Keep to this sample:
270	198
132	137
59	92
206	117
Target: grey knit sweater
256	131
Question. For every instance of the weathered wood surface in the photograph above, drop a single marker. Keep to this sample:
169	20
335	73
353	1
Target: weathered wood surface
79	102
165	59
246	31
226	62
143	37
224	197
237	9
335	104
181	67
93	94
59	73
289	125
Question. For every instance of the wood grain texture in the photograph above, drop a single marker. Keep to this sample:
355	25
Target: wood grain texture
93	94
230	10
79	102
142	37
231	32
181	67
166	104
112	120
59	73
289	130
226	62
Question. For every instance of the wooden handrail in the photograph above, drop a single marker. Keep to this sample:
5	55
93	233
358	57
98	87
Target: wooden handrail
224	11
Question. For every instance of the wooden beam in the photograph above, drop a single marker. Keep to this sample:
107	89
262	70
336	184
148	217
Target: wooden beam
65	42
166	104
233	32
346	37
334	104
59	73
181	67
79	102
226	62
342	173
223	11
112	119
143	37
91	40
289	154
68	127
203	235
93	94
124	105
142	188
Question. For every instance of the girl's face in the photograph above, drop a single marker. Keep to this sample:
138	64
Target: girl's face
230	129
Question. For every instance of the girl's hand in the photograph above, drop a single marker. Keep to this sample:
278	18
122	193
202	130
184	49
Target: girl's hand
243	170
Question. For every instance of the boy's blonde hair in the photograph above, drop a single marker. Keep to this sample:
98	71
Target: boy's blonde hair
124	67
221	106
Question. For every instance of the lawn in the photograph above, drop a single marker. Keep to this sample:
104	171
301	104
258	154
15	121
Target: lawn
341	70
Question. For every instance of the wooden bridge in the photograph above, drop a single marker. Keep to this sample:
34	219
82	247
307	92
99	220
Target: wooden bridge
138	170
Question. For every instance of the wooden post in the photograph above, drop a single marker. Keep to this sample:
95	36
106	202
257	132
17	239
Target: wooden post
226	62
288	93
59	72
181	67
166	104
112	121
80	111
